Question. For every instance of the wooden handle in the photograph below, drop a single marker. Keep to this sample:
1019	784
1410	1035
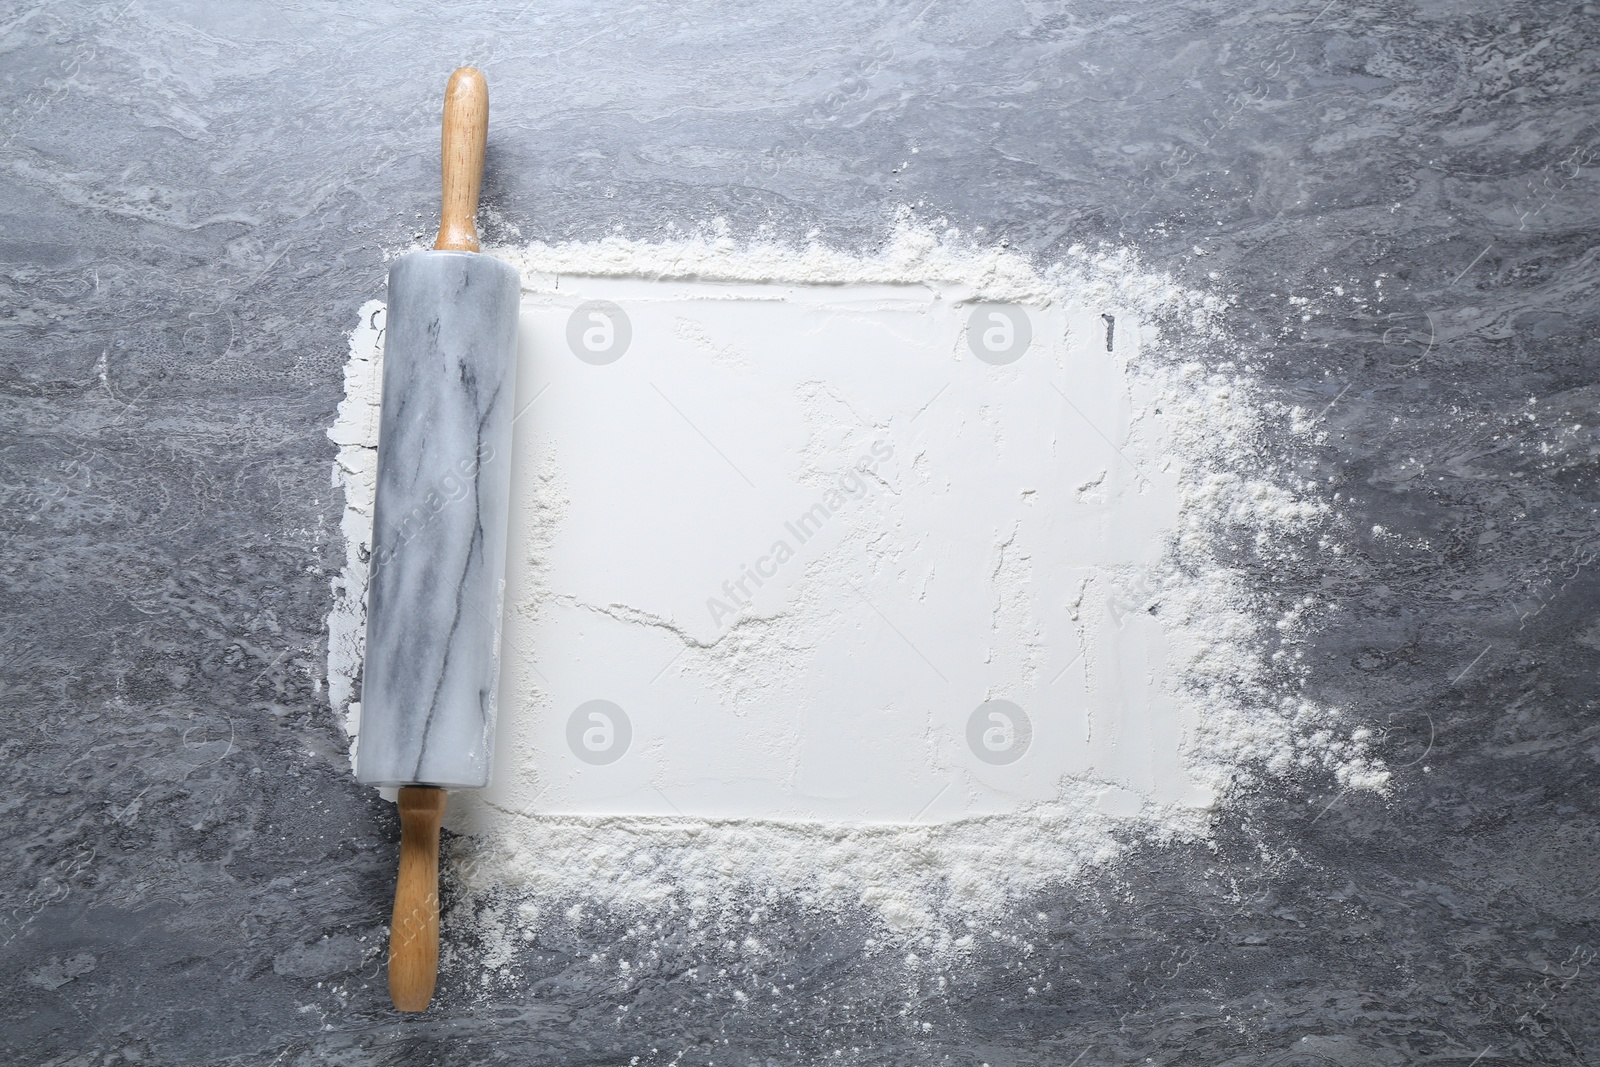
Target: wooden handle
414	934
466	131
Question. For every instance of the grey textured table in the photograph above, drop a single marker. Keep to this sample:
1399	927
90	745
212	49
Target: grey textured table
196	200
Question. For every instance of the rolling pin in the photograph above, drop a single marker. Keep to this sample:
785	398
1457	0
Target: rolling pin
439	534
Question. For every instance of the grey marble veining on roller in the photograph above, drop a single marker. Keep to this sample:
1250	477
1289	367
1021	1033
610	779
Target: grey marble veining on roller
436	575
1397	200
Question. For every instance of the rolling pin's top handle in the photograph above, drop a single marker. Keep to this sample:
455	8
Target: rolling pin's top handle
466	131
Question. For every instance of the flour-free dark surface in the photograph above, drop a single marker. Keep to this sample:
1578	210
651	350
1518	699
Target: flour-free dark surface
198	198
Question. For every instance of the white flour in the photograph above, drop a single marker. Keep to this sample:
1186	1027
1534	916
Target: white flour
922	882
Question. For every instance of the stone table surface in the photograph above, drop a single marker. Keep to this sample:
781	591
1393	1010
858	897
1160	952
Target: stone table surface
197	198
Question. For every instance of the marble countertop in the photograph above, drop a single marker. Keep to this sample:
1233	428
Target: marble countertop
198	198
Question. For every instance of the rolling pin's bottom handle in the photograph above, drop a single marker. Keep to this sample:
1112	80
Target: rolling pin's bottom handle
414	933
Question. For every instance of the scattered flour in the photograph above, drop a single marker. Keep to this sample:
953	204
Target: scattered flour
1234	663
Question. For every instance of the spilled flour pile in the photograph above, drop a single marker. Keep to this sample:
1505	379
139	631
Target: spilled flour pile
1187	446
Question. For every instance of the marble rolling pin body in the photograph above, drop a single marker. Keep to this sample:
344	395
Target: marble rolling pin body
439	534
439	522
